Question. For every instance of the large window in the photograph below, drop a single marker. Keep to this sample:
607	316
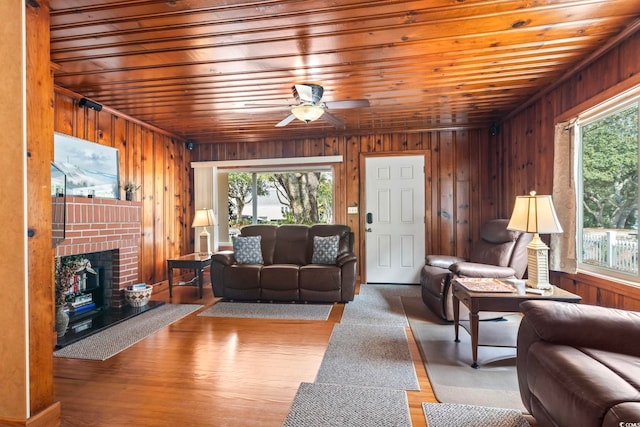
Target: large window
279	197
608	191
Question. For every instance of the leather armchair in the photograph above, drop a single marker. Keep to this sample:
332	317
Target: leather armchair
579	365
500	254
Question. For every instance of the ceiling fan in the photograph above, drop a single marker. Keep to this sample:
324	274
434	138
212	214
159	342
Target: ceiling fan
309	107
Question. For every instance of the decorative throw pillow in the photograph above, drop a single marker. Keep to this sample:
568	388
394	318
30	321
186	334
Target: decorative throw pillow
247	250
325	249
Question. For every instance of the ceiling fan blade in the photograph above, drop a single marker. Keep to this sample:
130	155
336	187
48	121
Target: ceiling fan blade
353	103
268	105
335	121
286	121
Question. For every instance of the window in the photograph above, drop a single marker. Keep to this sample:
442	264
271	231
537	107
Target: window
279	197
607	223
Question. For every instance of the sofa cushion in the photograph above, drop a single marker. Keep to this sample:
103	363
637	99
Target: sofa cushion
242	281
324	230
268	242
279	282
320	283
291	241
247	250
279	276
325	249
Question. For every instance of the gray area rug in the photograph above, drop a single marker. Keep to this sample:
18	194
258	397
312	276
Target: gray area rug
379	305
269	311
494	384
372	356
330	405
115	339
456	415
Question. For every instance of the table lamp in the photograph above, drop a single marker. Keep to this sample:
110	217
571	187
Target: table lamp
204	218
536	214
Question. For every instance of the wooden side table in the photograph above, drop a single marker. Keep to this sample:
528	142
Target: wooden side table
496	301
195	262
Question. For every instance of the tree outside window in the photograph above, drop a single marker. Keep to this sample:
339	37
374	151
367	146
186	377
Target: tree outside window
297	197
609	196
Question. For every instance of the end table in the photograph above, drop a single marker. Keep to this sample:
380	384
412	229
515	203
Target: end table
195	262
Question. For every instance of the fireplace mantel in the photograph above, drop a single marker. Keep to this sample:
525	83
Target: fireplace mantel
97	225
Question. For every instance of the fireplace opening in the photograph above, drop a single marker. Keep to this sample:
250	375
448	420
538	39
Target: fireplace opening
98	303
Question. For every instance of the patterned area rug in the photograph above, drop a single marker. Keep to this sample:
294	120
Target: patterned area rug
379	305
367	368
375	356
115	339
456	415
269	311
330	405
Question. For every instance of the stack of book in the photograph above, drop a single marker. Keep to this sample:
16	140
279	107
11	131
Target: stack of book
81	303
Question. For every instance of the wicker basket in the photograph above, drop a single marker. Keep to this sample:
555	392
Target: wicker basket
138	297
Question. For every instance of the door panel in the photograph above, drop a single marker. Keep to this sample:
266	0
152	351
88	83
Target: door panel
394	202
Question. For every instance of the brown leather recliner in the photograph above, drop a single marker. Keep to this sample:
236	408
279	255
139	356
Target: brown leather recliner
500	254
579	365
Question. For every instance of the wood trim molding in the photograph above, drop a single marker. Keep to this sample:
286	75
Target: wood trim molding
49	417
269	163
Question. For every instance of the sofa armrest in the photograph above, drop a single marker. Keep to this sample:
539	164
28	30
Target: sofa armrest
224	258
442	261
345	258
580	325
474	269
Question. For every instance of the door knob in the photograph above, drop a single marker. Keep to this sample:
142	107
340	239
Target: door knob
368	230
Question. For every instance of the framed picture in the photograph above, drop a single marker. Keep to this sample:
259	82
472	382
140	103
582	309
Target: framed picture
91	169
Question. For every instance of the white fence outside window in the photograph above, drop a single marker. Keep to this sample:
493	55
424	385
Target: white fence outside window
614	249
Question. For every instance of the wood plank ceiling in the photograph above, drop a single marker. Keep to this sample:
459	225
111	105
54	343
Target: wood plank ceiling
222	71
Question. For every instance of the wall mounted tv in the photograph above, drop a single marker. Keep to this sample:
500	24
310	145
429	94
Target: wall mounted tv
91	169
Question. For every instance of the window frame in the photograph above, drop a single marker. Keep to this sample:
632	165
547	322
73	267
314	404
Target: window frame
207	191
610	107
254	171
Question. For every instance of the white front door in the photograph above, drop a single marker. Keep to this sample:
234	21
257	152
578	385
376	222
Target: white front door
394	218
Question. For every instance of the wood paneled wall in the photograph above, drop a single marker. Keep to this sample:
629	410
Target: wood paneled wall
158	161
461	178
526	149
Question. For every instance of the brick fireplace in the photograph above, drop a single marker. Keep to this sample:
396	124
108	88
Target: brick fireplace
108	231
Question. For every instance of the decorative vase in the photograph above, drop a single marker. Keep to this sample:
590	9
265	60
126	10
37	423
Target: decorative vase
62	320
129	196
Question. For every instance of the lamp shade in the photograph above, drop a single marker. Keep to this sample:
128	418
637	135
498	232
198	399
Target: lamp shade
203	218
307	113
534	214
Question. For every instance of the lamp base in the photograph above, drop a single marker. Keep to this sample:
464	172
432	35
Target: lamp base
542	286
538	259
205	243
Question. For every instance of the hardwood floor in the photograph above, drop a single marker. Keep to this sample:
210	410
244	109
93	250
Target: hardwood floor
204	371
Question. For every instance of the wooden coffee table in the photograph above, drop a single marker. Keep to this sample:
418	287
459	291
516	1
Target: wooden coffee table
496	301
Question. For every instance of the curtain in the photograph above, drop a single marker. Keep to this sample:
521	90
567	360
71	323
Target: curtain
562	254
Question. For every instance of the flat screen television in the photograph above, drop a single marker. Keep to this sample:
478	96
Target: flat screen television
92	169
58	205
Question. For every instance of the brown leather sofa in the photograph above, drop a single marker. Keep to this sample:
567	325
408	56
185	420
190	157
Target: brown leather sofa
500	254
579	365
287	272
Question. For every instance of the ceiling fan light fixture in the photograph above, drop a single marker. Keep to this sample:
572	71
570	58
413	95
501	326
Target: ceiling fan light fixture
307	113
